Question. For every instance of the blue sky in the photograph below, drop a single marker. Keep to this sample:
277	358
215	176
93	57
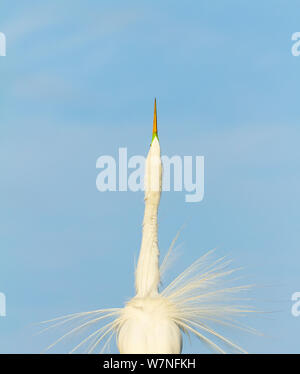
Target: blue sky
78	82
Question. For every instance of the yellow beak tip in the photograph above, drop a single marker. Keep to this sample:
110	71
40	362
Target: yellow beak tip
154	132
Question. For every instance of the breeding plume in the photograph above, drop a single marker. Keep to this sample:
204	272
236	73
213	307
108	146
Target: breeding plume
154	321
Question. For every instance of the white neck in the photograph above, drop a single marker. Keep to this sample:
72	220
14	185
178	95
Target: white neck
147	271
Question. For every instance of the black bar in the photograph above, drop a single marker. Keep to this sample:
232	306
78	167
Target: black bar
132	363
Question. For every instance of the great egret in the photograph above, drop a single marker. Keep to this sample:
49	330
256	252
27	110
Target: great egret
154	320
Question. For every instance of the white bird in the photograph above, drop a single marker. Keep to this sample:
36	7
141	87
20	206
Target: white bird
147	323
154	321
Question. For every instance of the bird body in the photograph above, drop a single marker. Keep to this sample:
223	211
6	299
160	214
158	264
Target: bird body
147	327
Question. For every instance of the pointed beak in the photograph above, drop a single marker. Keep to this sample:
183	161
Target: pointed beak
154	131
